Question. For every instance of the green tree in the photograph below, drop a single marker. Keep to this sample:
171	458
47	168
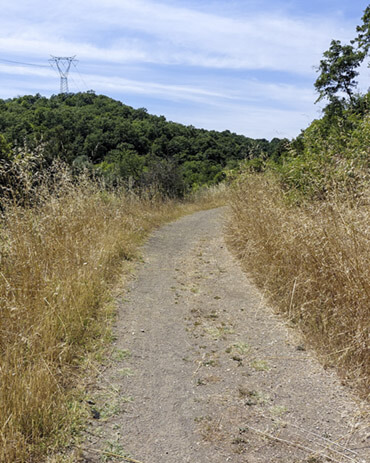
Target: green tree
164	176
122	164
363	38
113	140
338	71
339	68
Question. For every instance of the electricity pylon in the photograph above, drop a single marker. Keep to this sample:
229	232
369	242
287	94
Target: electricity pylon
63	65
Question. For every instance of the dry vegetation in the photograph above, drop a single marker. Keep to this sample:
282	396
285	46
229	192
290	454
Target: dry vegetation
59	260
313	263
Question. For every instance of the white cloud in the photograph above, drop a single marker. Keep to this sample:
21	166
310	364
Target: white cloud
150	31
100	82
253	121
25	70
167	91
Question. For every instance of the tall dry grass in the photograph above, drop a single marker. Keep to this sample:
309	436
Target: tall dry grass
313	263
58	261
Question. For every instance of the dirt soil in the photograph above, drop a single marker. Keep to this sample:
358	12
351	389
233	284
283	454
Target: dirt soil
203	371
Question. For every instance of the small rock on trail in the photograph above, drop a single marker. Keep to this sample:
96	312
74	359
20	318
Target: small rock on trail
203	371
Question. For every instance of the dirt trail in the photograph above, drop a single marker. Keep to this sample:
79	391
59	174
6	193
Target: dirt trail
204	372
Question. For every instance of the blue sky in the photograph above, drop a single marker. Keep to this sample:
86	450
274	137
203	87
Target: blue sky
246	66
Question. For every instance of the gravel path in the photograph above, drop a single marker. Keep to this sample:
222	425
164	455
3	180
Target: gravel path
203	371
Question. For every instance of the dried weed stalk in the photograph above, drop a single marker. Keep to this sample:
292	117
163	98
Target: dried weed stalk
314	261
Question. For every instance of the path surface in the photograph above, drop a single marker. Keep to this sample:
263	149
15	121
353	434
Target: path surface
204	372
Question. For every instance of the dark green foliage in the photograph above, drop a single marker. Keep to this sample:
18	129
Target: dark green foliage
96	133
331	156
338	69
363	37
164	178
338	72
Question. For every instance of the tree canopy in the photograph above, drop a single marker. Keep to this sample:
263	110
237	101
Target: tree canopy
363	37
339	68
95	132
338	71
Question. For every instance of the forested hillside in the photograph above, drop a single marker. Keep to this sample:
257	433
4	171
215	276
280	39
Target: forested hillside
121	143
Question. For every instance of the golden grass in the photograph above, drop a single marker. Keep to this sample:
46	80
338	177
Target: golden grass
58	262
313	263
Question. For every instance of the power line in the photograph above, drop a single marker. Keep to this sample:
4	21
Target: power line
75	84
63	64
62	68
84	83
23	64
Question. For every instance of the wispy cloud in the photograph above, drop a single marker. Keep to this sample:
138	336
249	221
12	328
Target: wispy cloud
149	31
255	120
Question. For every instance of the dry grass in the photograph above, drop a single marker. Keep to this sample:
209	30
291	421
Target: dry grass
313	263
58	262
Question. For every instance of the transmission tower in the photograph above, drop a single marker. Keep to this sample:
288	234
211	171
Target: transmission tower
63	65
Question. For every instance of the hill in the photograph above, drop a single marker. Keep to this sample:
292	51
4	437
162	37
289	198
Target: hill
122	143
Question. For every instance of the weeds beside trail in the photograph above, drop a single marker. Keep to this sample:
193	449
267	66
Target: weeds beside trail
59	260
313	263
